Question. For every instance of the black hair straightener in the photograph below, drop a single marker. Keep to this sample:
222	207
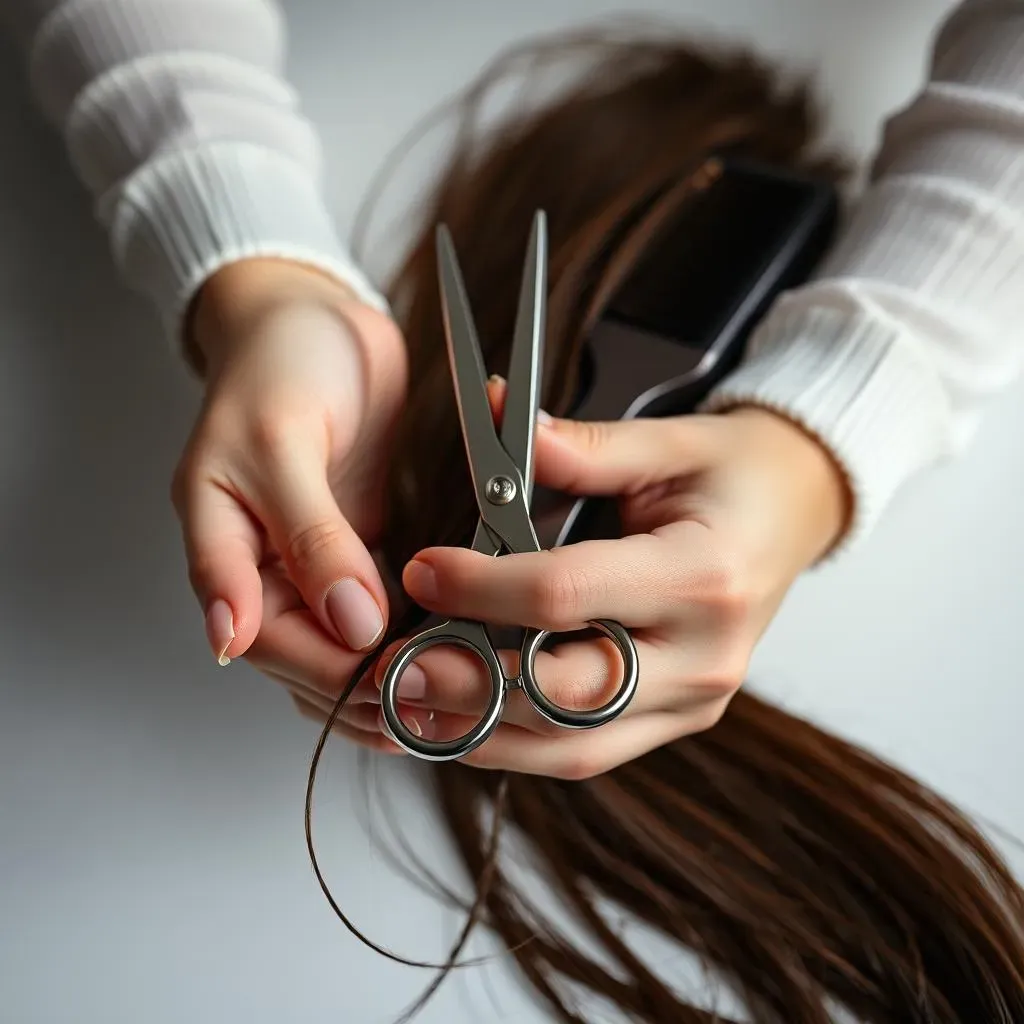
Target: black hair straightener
679	322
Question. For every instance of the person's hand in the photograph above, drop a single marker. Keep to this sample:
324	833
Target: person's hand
720	514
279	489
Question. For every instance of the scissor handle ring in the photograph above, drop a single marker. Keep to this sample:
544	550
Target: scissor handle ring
591	718
470	636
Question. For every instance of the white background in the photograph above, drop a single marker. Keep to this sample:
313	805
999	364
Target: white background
152	864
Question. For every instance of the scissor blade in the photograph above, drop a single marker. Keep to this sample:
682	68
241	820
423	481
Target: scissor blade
527	357
487	457
484	541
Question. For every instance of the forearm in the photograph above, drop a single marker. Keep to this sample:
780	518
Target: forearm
889	355
178	120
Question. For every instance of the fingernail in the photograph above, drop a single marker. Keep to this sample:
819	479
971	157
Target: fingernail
421	581
545	419
495	378
413	684
220	630
354	614
419	723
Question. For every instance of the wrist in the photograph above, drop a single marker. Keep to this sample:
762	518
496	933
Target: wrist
813	478
238	294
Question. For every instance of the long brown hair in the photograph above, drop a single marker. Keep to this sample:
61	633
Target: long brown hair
805	872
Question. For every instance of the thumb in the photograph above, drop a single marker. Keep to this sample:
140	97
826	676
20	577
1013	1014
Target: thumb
326	559
592	458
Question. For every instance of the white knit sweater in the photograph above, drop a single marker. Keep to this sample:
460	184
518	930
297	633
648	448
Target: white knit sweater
178	120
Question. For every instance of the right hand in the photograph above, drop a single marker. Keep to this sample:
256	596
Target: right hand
280	487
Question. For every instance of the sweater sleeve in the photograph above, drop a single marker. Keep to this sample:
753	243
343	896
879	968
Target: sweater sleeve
179	122
914	321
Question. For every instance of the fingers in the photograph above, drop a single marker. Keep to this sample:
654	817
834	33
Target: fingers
326	559
559	590
294	645
643	580
361	711
576	675
575	756
330	566
450	680
619	457
358	723
624	457
223	550
372	739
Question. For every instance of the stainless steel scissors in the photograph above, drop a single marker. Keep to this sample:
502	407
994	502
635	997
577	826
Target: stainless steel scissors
502	475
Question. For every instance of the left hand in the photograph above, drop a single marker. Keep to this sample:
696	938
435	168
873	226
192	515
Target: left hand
720	514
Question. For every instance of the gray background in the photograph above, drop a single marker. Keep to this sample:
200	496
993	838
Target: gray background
152	865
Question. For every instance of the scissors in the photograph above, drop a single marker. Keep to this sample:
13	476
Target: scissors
501	468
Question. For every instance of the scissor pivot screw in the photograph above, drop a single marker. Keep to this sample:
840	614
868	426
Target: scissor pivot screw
500	490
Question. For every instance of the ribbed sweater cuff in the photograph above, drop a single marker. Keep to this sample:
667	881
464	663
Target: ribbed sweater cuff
859	386
180	218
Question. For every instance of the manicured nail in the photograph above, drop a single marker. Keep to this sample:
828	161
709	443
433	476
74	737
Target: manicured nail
413	684
354	614
421	581
419	722
220	630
